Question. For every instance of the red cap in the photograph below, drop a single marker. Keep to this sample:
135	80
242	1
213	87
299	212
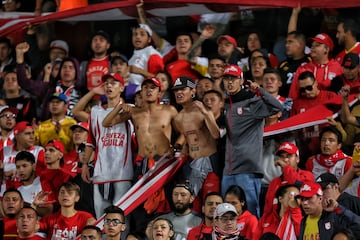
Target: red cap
288	147
325	39
309	189
10	109
114	76
154	81
56	144
21	126
227	38
233	70
83	125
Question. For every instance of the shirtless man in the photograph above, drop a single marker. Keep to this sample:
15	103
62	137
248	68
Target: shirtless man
152	123
199	127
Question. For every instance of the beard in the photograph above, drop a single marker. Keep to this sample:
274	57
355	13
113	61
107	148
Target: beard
181	208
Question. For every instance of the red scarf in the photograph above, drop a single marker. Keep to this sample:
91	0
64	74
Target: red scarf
329	161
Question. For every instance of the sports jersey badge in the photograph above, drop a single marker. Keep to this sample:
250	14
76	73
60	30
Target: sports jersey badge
239	110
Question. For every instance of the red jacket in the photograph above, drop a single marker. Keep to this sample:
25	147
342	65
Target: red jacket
199	232
247	224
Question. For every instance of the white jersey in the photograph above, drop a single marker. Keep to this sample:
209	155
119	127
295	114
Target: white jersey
113	158
140	59
29	192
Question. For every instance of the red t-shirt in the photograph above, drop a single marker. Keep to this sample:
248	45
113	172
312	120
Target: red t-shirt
179	68
198	232
59	227
354	49
10	231
155	64
96	69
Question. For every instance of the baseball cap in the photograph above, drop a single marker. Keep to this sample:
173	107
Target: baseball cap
60	96
60	44
309	189
56	144
233	70
325	39
103	34
228	38
325	179
121	57
183	82
288	147
21	126
83	125
114	76
145	27
186	184
154	81
10	109
223	208
351	60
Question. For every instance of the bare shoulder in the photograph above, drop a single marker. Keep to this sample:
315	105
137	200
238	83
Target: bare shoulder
170	109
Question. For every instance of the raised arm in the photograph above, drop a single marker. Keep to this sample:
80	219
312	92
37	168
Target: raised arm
120	113
209	119
292	26
345	115
207	32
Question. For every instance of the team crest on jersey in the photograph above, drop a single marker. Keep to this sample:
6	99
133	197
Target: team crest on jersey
239	110
331	75
241	226
328	225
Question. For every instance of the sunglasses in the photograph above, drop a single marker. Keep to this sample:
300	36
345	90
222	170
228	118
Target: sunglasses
307	88
8	115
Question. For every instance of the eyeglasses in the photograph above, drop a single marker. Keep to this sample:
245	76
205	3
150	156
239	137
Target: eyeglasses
7	1
13	115
115	221
224	219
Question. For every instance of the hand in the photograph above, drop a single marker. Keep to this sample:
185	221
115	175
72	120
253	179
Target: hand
253	86
345	91
297	9
329	204
85	173
331	121
280	162
99	90
48	68
199	105
37	12
42	198
208	31
126	107
22	48
140	4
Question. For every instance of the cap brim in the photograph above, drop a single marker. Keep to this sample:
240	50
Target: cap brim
73	127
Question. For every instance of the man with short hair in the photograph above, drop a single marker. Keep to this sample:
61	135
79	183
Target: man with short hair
7	123
203	231
225	223
198	125
6	50
182	218
111	147
114	222
227	48
32	187
346	34
58	49
216	69
331	189
331	158
323	216
288	160
203	84
246	109
295	51
67	222
95	68
310	95
58	126
26	224
12	202
91	232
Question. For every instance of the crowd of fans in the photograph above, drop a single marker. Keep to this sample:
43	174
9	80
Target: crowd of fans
76	136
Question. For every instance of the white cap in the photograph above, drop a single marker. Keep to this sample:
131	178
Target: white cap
223	208
60	44
146	28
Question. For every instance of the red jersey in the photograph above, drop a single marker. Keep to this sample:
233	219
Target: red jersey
247	224
354	49
58	226
323	73
199	232
96	68
6	141
10	231
179	68
301	105
35	237
289	176
71	162
55	177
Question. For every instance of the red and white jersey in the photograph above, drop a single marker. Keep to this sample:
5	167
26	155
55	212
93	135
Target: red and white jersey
29	192
6	141
141	59
113	158
354	49
96	69
7	156
65	228
354	187
338	169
